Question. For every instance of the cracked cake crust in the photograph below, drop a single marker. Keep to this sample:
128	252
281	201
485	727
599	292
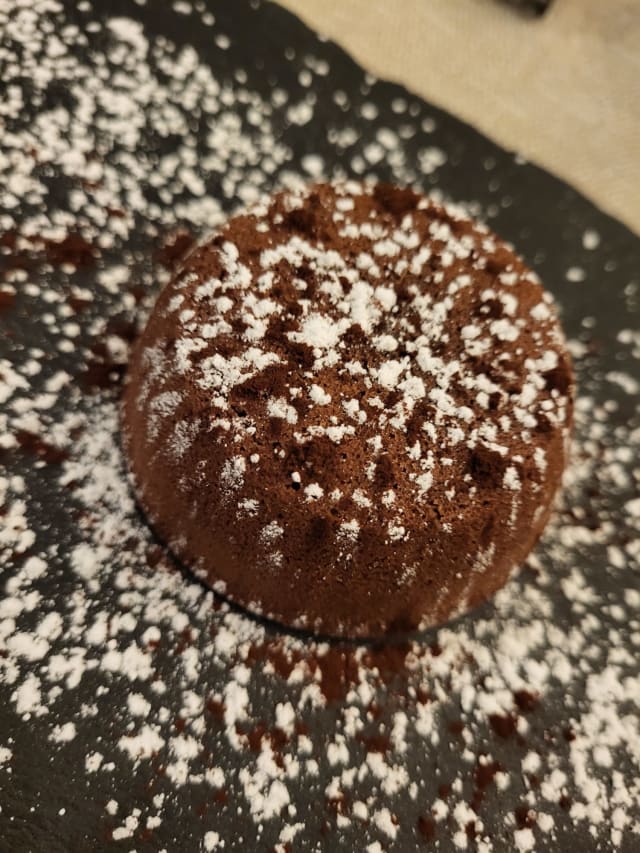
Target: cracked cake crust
350	410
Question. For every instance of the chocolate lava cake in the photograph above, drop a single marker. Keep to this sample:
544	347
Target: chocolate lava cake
350	409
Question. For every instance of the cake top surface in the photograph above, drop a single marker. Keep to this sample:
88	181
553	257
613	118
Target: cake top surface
363	347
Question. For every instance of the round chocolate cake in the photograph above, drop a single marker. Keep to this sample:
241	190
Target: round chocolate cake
350	410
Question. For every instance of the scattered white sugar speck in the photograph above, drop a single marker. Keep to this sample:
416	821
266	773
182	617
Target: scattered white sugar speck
211	841
575	274
511	479
590	239
313	491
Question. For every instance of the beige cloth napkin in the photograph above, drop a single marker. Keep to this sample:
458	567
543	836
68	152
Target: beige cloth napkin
563	90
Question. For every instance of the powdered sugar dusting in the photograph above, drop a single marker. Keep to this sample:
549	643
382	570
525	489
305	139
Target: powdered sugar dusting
175	716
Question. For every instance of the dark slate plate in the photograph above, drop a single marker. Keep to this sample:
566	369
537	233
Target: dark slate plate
52	798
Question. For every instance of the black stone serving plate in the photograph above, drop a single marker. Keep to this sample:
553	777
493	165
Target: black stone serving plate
49	802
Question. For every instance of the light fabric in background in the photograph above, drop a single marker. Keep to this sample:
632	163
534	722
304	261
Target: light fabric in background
563	90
